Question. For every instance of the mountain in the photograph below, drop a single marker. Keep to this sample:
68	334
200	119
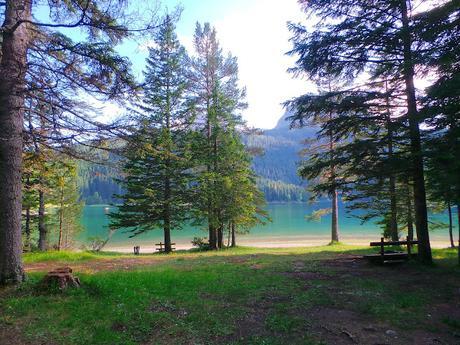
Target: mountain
276	167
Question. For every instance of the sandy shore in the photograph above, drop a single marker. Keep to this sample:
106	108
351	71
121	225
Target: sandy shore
267	242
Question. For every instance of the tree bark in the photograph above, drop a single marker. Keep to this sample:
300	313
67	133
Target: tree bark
212	236
410	220
27	228
42	231
233	235
61	216
167	237
229	234
335	216
13	66
458	215
211	227
421	214
220	237
334	193
392	180
451	235
167	218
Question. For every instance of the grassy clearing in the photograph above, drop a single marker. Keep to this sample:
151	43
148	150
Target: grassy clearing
237	296
69	256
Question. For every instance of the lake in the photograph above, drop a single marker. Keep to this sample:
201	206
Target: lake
288	228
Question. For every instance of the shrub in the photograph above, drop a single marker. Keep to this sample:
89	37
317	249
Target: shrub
201	243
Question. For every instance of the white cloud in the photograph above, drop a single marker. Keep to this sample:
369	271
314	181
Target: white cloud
259	38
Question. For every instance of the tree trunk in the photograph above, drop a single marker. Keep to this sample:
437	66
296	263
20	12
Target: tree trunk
334	193
61	216
167	237
167	218
233	235
27	228
393	210
212	237
167	210
335	216
410	220
211	229
458	215
451	235
392	181
220	237
42	231
13	65
229	233
167	180
421	214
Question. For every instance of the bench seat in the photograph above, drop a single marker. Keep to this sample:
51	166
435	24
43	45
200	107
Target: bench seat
390	256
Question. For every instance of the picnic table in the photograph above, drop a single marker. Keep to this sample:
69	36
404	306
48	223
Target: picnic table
391	256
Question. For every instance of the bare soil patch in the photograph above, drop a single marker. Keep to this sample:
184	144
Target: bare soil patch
97	265
346	326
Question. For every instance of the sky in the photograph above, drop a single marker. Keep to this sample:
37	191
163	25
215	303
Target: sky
255	31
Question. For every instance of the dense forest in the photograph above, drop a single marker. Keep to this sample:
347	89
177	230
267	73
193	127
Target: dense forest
275	165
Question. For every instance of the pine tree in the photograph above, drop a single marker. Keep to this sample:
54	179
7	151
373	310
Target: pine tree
65	196
217	97
370	153
372	40
40	56
438	28
320	152
242	203
157	168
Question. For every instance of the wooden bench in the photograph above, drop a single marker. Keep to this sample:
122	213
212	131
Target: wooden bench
161	248
385	257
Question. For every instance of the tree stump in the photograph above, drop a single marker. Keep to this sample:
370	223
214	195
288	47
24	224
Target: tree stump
62	277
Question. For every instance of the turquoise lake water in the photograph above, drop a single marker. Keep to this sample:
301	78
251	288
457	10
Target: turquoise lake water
288	227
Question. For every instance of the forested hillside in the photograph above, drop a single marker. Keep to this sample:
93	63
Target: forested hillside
276	167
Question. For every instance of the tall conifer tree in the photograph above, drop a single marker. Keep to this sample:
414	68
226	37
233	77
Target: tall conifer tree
157	168
375	40
217	99
36	54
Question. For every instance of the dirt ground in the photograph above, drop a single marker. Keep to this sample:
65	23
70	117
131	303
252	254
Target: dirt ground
93	266
344	326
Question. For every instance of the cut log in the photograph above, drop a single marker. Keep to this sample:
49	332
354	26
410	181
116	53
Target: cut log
61	277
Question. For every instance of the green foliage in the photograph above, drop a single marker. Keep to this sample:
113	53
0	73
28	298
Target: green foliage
54	175
226	191
157	169
316	216
275	168
201	243
367	53
65	197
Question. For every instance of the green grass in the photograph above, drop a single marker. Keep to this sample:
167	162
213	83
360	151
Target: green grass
205	297
68	256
